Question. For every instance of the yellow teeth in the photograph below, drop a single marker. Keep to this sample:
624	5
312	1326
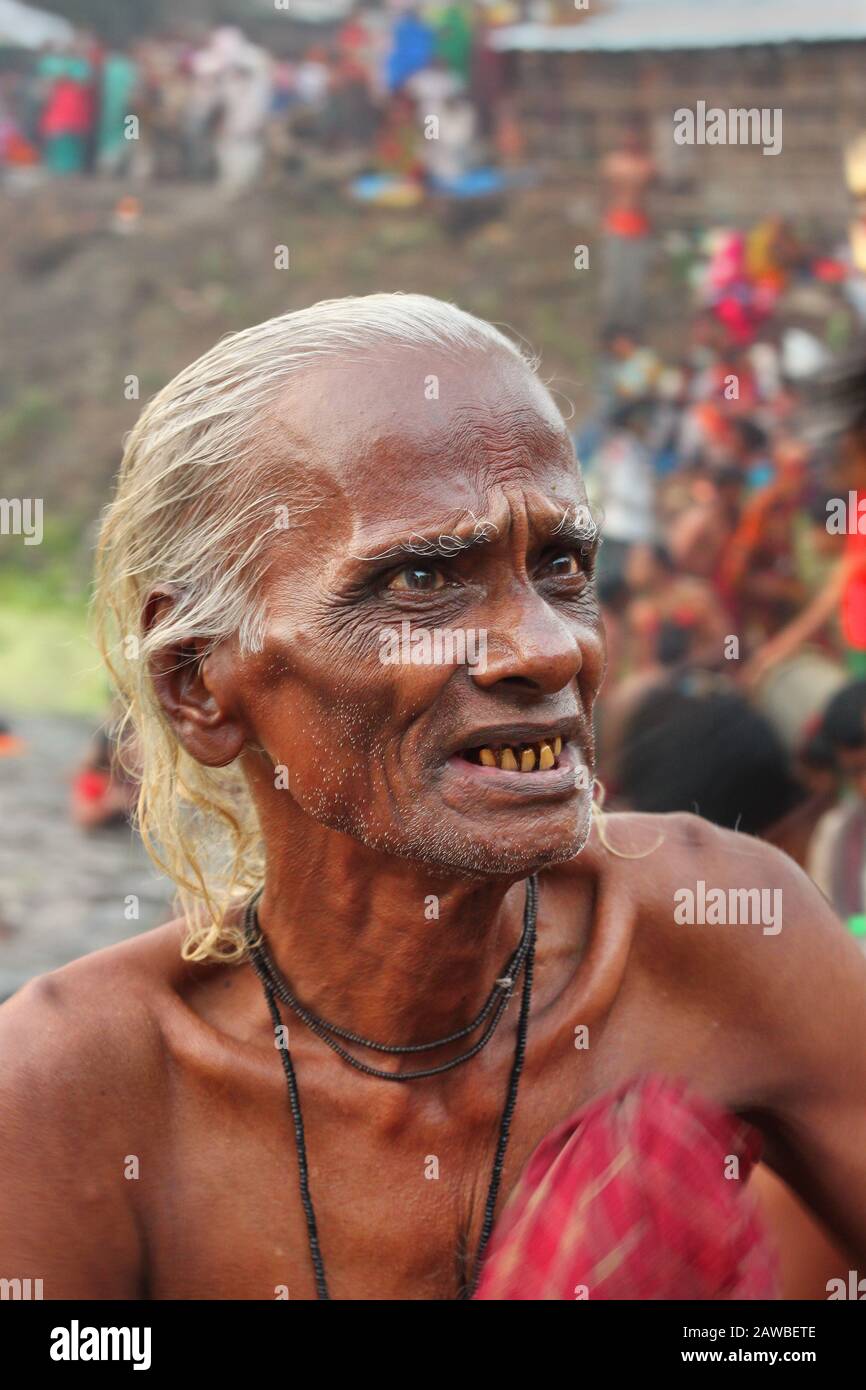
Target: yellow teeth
522	758
546	759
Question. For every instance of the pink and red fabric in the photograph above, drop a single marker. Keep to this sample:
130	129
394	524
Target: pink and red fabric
629	1199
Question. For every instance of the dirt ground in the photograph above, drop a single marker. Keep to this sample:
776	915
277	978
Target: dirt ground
89	305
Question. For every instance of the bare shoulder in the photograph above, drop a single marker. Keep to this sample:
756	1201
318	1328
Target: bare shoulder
733	932
648	856
81	1082
102	1008
82	1048
695	886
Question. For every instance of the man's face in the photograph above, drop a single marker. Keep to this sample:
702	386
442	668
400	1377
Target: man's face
450	495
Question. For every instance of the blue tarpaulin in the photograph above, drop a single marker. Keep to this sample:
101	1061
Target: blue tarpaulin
414	46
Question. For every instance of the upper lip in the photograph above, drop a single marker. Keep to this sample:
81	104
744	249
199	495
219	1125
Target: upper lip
494	735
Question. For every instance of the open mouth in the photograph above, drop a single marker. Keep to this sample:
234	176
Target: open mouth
543	756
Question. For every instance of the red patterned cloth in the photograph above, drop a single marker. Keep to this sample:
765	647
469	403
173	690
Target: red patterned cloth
629	1199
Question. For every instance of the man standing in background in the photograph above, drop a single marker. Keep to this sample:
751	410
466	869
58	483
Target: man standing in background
627	175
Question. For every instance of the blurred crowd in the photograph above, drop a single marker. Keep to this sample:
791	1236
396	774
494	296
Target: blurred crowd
418	96
729	474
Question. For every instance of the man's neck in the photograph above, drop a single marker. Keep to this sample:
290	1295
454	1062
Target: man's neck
384	947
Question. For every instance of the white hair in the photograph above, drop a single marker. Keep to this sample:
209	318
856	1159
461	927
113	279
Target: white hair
199	490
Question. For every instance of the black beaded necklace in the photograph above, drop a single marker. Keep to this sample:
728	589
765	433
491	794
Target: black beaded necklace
275	986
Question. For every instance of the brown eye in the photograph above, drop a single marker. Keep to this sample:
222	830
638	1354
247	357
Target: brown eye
563	566
417	579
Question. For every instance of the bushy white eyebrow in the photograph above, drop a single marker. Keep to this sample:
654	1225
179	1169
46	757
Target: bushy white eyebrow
578	524
444	545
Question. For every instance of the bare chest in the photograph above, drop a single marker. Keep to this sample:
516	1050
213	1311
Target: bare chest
398	1182
398	1174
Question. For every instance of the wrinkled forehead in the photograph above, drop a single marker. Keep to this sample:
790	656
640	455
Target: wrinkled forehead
418	434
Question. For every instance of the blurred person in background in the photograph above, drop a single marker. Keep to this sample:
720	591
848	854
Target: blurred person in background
432	87
700	531
663	598
243	96
695	744
837	854
105	787
68	113
399	141
627	174
10	743
453	153
117	85
842	598
629	369
166	87
624	485
760	572
201	111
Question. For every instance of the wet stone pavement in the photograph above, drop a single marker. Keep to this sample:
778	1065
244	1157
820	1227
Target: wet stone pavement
62	890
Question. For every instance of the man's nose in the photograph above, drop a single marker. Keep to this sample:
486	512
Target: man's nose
532	648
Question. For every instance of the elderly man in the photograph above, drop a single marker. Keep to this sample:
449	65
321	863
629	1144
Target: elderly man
390	873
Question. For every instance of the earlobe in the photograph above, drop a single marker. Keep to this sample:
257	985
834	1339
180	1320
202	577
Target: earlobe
216	746
187	683
203	723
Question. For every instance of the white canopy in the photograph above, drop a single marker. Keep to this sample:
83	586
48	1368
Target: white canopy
629	25
22	26
319	11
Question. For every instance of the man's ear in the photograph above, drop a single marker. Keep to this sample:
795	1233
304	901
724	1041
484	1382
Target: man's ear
194	692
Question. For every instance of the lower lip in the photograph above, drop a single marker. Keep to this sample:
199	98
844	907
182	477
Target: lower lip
555	784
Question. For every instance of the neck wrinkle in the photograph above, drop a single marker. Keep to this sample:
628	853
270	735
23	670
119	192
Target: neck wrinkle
368	954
